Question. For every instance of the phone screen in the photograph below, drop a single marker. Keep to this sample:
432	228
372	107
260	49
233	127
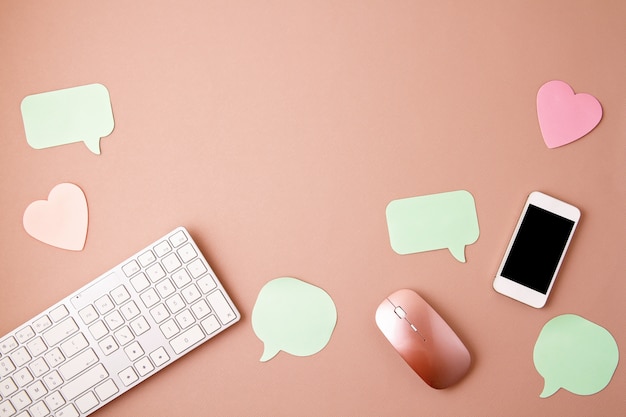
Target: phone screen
537	249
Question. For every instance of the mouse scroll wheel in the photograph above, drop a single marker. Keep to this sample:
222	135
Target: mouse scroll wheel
400	312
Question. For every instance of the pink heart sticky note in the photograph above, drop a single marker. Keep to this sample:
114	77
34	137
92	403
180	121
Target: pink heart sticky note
565	116
61	220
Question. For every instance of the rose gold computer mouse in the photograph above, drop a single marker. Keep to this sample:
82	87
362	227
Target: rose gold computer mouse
423	338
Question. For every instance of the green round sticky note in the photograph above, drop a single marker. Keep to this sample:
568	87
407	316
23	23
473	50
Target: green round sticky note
293	316
575	354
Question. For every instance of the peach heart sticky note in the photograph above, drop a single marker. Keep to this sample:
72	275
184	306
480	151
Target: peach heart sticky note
61	220
565	116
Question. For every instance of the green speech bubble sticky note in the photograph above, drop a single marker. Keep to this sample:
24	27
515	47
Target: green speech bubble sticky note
575	354
293	316
435	221
77	114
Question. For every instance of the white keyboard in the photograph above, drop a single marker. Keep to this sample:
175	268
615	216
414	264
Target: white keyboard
113	333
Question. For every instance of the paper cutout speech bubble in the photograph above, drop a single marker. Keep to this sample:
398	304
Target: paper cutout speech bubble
575	354
564	116
77	114
435	221
293	316
60	221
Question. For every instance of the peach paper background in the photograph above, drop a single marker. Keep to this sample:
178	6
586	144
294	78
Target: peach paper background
277	132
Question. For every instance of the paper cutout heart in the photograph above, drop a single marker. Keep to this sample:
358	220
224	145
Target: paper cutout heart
565	116
60	221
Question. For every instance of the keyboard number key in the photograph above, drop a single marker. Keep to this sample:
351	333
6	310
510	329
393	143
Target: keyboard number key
201	309
149	298
169	328
187	339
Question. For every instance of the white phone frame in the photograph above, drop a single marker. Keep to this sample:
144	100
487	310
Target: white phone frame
518	291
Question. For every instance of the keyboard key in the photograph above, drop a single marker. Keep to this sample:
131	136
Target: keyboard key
133	351
108	345
74	345
59	332
38	367
21	400
210	324
185	319
120	294
42	324
53	380
36	390
98	330
140	282
159	313
146	258
25	334
171	262
149	298
67	411
196	268
175	303
6	366
187	339
140	326
169	328
165	288
77	365
54	401
206	284
88	314
84	382
36	346
181	278
114	320
144	366
39	410
191	293
8	344
106	390
201	309
124	335
178	238
221	307
54	357
162	249
8	387
104	304
159	356
128	376
187	253
23	377
131	268
20	356
58	313
6	409
86	402
155	272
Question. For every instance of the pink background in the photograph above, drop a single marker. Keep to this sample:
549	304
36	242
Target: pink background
277	132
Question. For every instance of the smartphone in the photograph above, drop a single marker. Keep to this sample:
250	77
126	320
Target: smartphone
536	250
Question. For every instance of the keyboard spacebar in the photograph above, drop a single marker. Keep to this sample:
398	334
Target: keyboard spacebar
84	382
187	339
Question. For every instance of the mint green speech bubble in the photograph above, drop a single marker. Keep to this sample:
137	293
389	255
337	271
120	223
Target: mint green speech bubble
575	354
435	221
293	316
77	114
